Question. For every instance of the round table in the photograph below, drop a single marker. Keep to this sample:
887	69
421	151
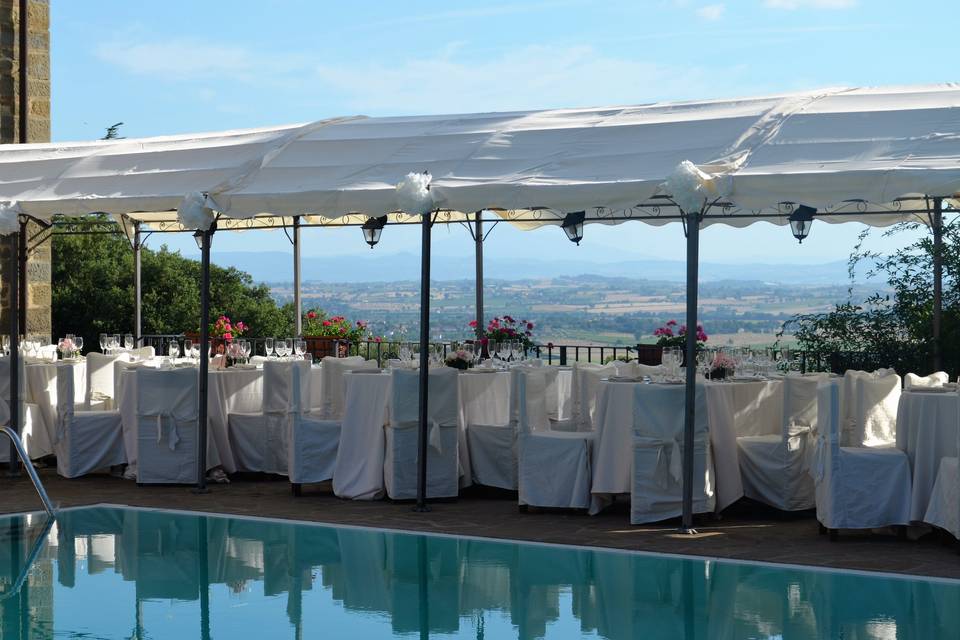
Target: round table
927	430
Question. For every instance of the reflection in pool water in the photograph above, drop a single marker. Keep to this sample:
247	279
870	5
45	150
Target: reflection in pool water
127	573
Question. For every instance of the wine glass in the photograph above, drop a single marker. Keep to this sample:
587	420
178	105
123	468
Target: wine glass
103	343
117	342
281	346
268	347
704	360
187	348
300	347
173	349
128	341
78	345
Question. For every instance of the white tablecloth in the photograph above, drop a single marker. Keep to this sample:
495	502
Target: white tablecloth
734	409
927	430
40	387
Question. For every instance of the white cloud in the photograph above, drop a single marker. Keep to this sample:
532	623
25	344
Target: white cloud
809	4
711	11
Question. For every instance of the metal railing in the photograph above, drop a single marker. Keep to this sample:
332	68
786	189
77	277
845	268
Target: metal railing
25	459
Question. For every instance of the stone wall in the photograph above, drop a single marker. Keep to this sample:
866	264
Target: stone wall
38	130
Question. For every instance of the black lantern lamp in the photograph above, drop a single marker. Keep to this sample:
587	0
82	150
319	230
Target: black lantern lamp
198	237
372	229
573	226
800	221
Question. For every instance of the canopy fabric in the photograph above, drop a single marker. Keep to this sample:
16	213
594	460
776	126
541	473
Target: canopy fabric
819	148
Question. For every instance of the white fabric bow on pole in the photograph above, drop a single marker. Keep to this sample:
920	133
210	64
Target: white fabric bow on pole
414	195
691	187
196	211
9	217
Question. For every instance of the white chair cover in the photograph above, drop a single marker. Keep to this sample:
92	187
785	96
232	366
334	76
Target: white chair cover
259	441
559	394
491	433
586	382
774	468
311	443
937	379
358	473
943	510
869	408
144	353
402	435
85	441
657	491
167	425
553	467
101	389
856	487
330	404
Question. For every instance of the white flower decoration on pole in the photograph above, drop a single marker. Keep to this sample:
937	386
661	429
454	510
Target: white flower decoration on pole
690	187
413	194
196	211
9	217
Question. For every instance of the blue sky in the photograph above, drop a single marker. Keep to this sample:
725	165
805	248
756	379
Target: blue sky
181	65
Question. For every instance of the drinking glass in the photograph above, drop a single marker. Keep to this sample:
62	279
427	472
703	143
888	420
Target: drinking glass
187	347
128	341
6	345
173	349
268	347
117	341
301	348
78	345
281	347
415	352
704	360
103	343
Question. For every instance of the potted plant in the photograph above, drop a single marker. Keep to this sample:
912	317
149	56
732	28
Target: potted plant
505	328
670	335
328	336
222	332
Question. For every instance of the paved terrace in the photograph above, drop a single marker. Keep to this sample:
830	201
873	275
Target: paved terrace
746	531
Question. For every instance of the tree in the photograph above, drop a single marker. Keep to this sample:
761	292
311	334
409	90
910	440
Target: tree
892	329
92	282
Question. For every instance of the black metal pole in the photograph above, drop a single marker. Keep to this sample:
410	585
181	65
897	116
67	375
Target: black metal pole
424	364
478	240
22	275
14	329
689	417
936	224
137	286
297	300
204	361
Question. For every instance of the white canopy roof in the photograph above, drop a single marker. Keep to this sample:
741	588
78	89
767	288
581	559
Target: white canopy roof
819	148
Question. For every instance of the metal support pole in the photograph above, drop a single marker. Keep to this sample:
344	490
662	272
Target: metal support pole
204	360
936	225
297	301
424	364
693	251
14	330
137	286
22	276
478	241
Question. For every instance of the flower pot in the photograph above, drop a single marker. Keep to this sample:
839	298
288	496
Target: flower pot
322	347
650	354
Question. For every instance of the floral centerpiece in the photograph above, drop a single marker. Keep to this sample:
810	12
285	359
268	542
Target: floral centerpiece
226	330
459	359
722	366
504	328
67	348
223	333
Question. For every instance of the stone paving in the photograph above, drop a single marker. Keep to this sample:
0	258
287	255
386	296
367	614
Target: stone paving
746	531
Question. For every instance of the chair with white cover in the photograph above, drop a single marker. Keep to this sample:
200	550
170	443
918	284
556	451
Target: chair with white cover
488	401
402	435
553	467
167	425
658	422
85	441
856	487
870	408
937	379
312	444
100	380
774	467
144	353
259	440
943	509
329	406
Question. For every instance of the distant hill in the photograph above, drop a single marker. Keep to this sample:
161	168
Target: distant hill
278	267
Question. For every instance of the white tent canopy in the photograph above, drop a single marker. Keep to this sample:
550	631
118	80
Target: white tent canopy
819	148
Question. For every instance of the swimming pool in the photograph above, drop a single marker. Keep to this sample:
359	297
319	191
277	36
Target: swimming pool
109	572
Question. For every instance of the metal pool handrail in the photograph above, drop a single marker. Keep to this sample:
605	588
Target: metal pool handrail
34	478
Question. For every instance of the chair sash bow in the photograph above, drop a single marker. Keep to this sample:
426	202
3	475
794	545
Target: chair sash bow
669	465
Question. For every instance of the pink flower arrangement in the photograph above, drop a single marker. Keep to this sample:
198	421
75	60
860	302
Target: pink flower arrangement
667	337
227	330
316	324
506	328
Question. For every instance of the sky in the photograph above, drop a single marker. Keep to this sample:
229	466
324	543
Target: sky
182	66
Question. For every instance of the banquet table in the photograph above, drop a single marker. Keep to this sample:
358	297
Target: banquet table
742	408
231	390
927	431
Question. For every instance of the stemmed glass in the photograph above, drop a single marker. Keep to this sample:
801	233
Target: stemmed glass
173	349
268	347
283	348
300	347
78	345
103	342
117	342
705	360
6	345
187	348
128	341
245	350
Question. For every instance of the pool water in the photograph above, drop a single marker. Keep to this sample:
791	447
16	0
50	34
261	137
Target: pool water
107	572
